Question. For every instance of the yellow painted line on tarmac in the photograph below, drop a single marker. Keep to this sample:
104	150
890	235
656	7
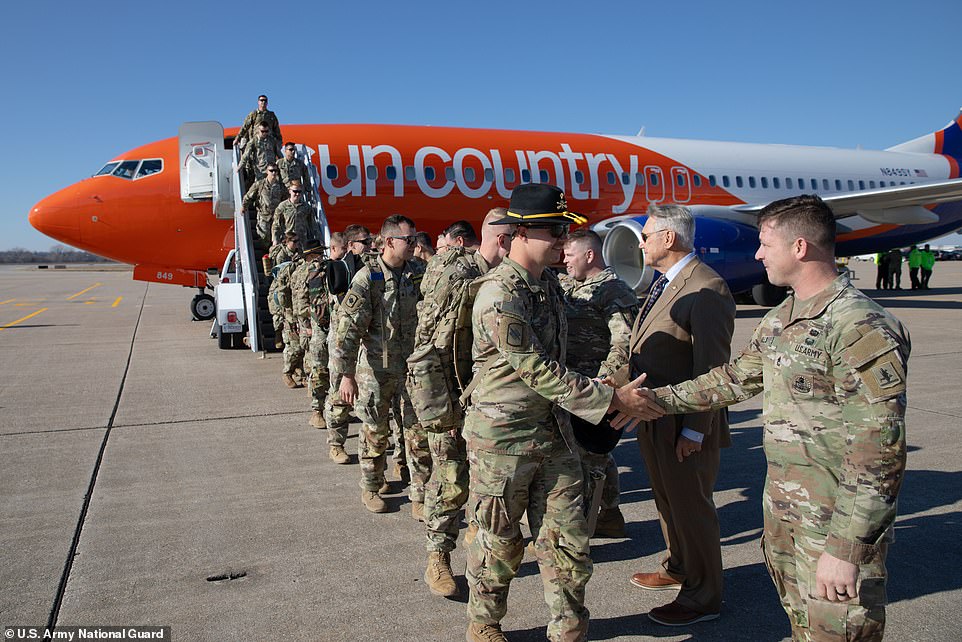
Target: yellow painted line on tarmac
7	301
32	314
74	296
90	302
116	302
21	305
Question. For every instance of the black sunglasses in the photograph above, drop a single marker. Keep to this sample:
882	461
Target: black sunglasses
410	239
557	230
366	241
645	237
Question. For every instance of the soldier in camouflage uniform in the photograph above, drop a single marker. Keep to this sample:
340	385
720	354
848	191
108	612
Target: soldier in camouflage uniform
295	215
263	197
291	167
312	305
447	490
832	364
375	335
260	115
521	450
337	413
261	152
292	331
601	309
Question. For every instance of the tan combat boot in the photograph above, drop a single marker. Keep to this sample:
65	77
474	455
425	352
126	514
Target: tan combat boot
417	511
611	523
402	473
338	456
470	533
279	343
317	419
373	502
385	488
289	381
485	633
438	575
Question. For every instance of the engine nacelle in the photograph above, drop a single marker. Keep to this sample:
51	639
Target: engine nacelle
727	246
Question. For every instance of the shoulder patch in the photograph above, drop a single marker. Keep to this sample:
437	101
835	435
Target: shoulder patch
873	343
513	333
351	302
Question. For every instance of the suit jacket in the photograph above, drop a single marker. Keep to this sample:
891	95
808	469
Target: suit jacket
687	333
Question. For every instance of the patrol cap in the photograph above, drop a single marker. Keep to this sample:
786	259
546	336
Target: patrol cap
312	246
539	205
600	439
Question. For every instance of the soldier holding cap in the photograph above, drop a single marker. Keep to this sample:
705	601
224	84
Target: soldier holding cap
521	451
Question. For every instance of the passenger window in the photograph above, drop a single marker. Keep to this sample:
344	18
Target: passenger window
149	167
525	176
611	178
825	184
409	174
788	182
776	183
726	182
371	172
653	179
861	184
712	181
469	174
429	173
107	169
352	172
543	175
640	178
126	169
390	172
696	179
625	178
838	185
751	182
739	182
488	175
851	185
579	177
332	172
814	184
680	179
508	174
449	173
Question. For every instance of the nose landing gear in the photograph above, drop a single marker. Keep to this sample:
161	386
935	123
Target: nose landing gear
202	307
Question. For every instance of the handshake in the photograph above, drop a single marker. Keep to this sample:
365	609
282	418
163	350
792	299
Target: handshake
632	403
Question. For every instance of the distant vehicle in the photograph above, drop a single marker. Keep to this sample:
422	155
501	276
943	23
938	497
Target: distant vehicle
948	255
230	325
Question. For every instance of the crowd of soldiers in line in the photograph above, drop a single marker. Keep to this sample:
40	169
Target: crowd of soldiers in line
888	266
495	370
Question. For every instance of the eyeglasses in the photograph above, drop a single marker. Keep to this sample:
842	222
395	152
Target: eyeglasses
262	100
557	230
410	239
295	191
645	237
272	171
366	241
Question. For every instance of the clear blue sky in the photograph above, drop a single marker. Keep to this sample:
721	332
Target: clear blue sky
87	81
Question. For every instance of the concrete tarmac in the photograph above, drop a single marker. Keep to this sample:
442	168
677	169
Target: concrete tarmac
142	469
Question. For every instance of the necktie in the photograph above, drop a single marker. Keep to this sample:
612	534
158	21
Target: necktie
656	289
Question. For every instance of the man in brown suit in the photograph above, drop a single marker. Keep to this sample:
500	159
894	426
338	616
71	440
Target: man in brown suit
684	329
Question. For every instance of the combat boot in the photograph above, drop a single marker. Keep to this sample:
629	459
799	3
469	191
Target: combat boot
385	488
338	456
317	419
611	523
289	381
438	575
373	502
485	633
417	511
279	343
402	473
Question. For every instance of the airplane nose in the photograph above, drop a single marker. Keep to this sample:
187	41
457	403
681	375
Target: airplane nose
57	216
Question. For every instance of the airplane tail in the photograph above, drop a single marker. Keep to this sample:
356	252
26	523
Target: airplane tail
946	141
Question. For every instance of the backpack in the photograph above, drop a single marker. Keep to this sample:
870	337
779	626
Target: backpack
440	367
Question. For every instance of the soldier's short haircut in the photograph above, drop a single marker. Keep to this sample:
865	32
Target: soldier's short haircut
338	239
392	224
463	229
676	218
262	96
290	236
424	239
289	145
354	231
589	238
271	166
295	183
805	216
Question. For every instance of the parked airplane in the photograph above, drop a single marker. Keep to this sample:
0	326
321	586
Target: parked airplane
139	209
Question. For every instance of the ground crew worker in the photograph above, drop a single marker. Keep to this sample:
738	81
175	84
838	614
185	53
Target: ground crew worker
337	413
261	152
442	286
520	444
312	305
915	262
293	349
927	264
600	310
375	335
894	266
832	364
260	115
295	215
263	197
291	167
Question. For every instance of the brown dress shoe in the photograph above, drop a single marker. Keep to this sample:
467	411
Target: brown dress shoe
655	582
676	614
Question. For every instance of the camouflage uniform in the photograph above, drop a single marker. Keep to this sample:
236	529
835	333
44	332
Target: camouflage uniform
600	310
375	335
292	170
293	350
521	449
256	117
298	218
447	490
301	300
264	197
279	254
833	371
258	154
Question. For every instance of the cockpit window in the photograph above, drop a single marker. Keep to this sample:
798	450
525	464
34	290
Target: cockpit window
150	166
107	169
126	169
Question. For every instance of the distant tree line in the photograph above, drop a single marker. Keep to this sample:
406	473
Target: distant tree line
56	254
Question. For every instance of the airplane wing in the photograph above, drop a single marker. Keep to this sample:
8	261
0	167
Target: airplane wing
900	205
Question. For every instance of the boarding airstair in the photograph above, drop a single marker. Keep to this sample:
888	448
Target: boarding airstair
209	172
